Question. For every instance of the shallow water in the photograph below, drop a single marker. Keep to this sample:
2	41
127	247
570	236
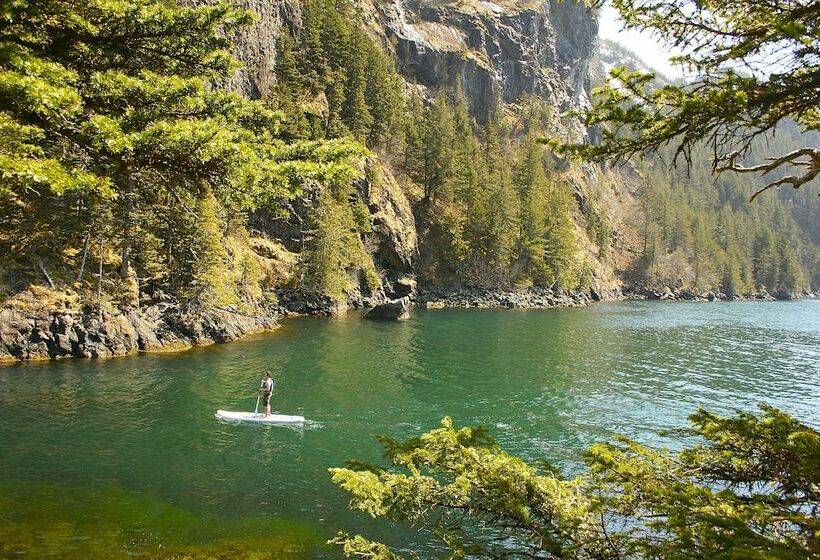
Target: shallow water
124	457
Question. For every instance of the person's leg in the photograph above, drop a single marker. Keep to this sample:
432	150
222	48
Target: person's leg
267	405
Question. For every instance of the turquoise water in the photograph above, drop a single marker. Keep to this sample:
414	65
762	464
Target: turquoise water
124	457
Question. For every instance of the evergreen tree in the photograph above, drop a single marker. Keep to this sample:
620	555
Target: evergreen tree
211	282
458	487
107	106
725	108
531	180
336	250
500	199
560	244
548	244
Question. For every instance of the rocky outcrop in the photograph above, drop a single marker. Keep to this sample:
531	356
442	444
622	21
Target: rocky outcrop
392	242
255	45
398	310
85	334
394	235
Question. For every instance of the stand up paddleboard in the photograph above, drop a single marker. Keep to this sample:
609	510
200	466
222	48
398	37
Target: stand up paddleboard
258	417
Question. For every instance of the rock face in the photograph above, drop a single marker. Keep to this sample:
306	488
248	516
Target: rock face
159	328
506	47
255	45
394	232
393	241
511	48
398	310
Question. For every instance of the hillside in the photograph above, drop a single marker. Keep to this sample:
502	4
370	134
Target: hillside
385	149
700	230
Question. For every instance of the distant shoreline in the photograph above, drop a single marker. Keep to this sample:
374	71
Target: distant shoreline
56	334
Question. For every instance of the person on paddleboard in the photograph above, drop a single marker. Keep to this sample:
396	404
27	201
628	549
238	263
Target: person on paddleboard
266	388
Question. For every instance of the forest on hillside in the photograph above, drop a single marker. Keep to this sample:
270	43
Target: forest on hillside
128	178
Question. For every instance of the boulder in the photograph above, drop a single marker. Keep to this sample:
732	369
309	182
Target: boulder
396	310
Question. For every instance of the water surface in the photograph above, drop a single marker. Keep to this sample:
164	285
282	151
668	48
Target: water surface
121	458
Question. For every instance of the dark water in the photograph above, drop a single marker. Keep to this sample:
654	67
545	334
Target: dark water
124	458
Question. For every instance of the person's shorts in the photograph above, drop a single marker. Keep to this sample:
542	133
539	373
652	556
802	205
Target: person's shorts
265	399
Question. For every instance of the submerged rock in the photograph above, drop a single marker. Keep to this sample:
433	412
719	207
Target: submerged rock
397	310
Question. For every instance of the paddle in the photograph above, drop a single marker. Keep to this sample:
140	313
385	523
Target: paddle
256	410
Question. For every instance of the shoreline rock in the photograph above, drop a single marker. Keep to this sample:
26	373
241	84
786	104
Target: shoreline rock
396	310
686	294
528	298
160	328
60	333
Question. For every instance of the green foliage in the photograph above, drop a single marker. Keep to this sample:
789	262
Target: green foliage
492	212
547	242
333	80
211	280
748	490
337	250
699	233
108	109
111	121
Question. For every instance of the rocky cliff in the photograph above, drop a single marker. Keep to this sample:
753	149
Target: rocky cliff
41	324
497	52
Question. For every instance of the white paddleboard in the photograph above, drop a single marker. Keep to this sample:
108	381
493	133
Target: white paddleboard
258	417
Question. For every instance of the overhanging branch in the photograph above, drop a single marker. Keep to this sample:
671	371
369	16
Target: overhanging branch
812	165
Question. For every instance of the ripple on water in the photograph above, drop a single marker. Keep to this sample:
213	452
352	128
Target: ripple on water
547	383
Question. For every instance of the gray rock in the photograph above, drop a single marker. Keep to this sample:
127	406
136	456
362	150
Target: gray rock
398	310
156	328
538	48
785	295
530	298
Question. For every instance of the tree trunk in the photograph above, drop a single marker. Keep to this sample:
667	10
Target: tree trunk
45	273
85	256
128	232
99	283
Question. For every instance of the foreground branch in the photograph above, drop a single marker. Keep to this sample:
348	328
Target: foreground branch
792	158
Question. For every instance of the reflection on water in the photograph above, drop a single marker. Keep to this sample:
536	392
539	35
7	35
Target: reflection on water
547	383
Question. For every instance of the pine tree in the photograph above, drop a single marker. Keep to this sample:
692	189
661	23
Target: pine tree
101	114
531	180
212	283
356	112
336	252
500	198
291	90
439	138
723	108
